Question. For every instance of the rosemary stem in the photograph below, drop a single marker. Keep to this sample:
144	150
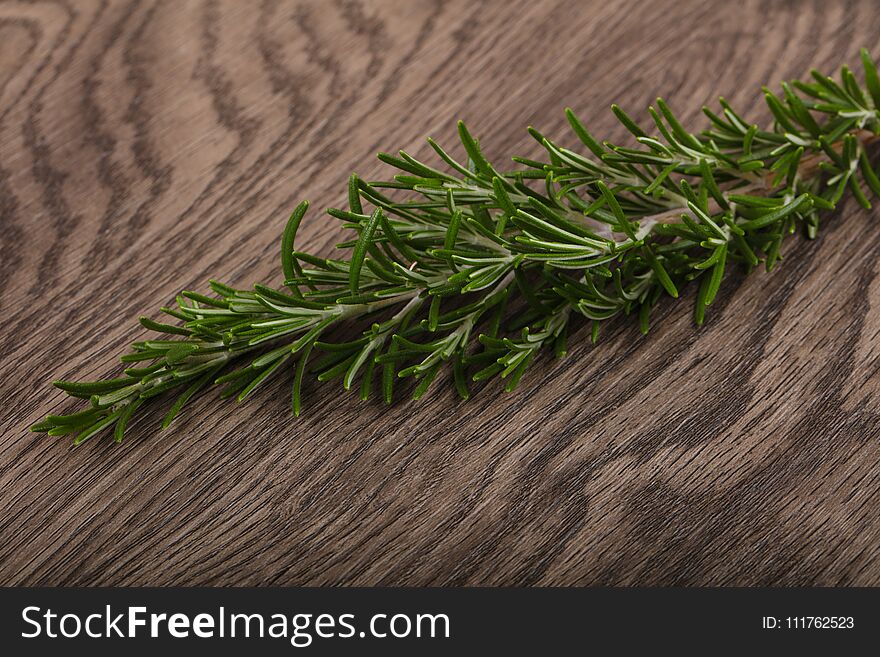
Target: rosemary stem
596	234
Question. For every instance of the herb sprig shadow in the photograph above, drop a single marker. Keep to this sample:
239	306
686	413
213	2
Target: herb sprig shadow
467	266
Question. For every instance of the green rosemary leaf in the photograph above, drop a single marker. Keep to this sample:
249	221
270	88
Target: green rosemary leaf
627	122
426	381
612	202
800	111
560	344
868	174
96	428
360	250
700	306
583	134
363	357
677	129
487	372
473	150
517	372
871	78
43	426
715	277
645	318
94	387
150	354
660	271
124	417
780	113
507	207
81	419
661	178
852	86
801	203
354	194
288	261
434	314
302	363
148	323
749	139
711	185
181	401
389	373
858	194
460	378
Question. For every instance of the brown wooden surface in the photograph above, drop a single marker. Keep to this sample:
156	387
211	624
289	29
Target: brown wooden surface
147	147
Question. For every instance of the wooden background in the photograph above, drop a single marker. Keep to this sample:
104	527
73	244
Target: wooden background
147	147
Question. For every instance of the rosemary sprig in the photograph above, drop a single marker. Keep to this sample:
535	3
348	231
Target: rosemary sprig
466	265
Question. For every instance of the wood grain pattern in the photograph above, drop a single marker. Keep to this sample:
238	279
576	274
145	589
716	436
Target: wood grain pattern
145	147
